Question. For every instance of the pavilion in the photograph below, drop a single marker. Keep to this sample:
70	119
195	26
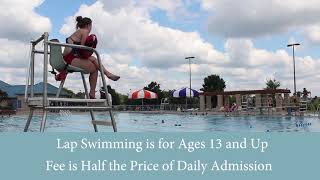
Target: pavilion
217	100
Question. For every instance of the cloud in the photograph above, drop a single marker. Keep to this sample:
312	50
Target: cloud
242	52
249	67
312	34
169	6
14	53
251	18
131	32
141	51
20	21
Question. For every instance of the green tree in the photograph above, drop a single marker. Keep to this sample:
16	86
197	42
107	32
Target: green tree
70	92
124	100
272	84
3	95
213	83
80	95
154	87
115	96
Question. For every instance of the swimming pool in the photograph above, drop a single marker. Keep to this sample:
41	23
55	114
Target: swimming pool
139	122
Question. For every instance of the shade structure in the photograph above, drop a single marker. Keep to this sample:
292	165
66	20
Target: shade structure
142	94
185	92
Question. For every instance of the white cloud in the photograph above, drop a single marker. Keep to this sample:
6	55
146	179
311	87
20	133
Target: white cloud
249	67
312	34
130	32
141	51
169	6
19	21
251	18
130	36
14	53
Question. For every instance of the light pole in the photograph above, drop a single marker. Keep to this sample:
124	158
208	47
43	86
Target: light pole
294	65
189	58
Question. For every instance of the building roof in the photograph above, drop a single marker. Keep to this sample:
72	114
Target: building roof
14	90
3	84
247	92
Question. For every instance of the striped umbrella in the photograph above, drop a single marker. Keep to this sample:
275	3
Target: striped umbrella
142	94
185	92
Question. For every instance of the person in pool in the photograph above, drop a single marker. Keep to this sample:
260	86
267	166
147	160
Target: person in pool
90	65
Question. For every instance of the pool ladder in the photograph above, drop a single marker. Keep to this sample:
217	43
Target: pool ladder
47	104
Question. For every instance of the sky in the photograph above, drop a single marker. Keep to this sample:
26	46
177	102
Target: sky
245	42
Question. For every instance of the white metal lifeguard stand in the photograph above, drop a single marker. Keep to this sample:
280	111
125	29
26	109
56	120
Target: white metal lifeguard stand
57	62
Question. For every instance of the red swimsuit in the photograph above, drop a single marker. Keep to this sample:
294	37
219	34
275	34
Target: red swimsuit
69	57
91	41
73	54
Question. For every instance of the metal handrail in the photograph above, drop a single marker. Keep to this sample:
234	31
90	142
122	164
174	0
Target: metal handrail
27	81
30	73
45	52
40	52
98	58
35	42
71	45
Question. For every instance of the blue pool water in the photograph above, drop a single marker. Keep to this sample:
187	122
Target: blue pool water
133	122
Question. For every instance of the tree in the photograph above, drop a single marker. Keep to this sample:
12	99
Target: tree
155	87
213	83
3	95
70	92
80	95
124	100
272	84
115	96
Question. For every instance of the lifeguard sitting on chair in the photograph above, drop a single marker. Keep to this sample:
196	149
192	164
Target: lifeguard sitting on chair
82	58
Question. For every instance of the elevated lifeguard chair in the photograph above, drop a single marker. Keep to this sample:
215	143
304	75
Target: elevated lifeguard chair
57	62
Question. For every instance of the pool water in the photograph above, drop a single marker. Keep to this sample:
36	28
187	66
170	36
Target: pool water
135	122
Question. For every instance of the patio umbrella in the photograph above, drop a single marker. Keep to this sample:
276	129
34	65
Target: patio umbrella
142	94
185	92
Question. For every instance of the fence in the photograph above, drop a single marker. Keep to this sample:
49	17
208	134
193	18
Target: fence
163	107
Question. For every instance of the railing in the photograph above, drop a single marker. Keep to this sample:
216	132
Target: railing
163	107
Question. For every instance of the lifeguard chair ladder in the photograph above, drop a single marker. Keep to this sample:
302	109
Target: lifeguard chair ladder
46	103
